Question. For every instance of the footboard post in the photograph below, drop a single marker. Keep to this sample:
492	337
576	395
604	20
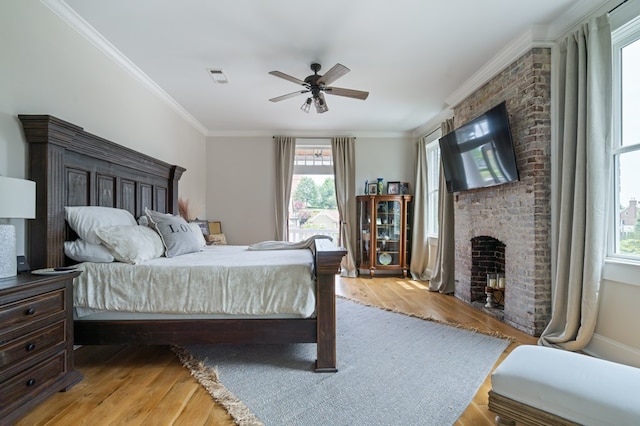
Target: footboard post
327	260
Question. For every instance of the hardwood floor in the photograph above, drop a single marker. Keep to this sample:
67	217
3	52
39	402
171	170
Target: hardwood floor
146	385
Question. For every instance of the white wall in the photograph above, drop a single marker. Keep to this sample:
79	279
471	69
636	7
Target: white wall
241	176
48	68
392	159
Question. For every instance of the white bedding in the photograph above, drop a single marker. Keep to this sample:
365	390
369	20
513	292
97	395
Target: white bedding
218	280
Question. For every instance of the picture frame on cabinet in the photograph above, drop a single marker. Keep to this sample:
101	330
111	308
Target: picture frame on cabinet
203	224
404	188
373	188
215	227
393	188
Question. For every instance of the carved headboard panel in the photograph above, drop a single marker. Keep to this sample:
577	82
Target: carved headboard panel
74	168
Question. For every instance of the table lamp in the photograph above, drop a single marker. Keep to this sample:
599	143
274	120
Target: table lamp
17	201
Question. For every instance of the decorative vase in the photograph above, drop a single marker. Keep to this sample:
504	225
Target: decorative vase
380	186
366	187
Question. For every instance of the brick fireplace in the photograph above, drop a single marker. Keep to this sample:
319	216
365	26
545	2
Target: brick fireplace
517	216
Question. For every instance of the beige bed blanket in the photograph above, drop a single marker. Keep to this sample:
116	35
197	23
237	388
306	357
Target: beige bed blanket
287	245
218	280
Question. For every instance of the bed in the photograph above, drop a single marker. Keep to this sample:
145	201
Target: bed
72	167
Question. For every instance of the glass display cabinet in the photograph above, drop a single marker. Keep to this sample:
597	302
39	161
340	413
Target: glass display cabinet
384	233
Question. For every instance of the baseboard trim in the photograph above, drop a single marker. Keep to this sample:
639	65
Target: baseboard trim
612	350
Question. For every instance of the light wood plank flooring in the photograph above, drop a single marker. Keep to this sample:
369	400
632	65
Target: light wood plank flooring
146	385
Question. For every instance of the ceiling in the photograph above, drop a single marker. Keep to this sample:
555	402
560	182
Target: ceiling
411	55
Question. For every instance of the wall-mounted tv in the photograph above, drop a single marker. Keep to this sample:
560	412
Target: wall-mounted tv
480	153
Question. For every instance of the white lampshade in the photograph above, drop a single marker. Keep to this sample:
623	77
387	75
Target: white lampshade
17	198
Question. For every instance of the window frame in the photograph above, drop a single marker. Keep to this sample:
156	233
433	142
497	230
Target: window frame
625	29
323	169
620	38
432	147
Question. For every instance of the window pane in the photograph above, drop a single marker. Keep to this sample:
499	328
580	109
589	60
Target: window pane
310	156
433	164
631	94
629	187
627	154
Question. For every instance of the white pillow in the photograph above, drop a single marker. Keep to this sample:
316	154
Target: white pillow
82	251
198	231
85	219
131	243
177	236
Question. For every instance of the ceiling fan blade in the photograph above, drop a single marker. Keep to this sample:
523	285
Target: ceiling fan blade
288	95
287	77
349	93
337	71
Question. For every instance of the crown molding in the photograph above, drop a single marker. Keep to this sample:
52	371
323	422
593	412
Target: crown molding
307	134
76	22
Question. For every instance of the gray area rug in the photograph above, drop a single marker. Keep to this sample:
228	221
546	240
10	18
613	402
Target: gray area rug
393	369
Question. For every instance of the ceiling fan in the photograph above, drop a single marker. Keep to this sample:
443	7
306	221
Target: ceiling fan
317	84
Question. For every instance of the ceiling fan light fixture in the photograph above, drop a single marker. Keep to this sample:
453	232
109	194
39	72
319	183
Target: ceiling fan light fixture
306	106
321	105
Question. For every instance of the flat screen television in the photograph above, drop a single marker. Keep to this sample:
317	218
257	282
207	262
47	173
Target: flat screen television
480	153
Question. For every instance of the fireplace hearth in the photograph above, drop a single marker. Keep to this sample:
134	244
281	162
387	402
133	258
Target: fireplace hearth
487	257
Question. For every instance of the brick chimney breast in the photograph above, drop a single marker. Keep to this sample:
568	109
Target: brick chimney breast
516	215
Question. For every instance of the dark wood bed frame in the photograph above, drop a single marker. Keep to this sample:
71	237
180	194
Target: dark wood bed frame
74	168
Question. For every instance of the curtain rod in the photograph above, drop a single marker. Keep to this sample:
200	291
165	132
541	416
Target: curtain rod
618	6
432	132
315	137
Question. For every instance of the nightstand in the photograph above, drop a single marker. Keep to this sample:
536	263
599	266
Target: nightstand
36	341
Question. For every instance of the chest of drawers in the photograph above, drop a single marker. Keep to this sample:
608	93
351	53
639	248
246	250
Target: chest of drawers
36	341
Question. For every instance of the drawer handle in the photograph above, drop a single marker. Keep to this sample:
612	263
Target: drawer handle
31	382
30	347
31	311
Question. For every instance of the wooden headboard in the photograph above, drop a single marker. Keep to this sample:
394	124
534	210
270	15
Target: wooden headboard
74	168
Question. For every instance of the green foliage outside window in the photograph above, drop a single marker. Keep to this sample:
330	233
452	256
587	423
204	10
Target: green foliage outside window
314	196
327	193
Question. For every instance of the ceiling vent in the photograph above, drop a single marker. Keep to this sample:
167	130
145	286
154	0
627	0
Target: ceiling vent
218	75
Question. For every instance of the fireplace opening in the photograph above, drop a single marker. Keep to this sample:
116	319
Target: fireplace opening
487	257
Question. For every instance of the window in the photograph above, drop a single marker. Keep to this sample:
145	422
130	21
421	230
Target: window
433	181
625	235
313	209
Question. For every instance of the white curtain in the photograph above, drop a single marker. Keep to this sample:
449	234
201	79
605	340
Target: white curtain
344	159
285	153
582	192
420	252
443	279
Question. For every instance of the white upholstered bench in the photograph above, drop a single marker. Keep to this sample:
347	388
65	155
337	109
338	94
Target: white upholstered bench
537	385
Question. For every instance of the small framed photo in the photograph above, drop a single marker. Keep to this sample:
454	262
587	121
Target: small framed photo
203	224
215	228
373	188
404	188
393	188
